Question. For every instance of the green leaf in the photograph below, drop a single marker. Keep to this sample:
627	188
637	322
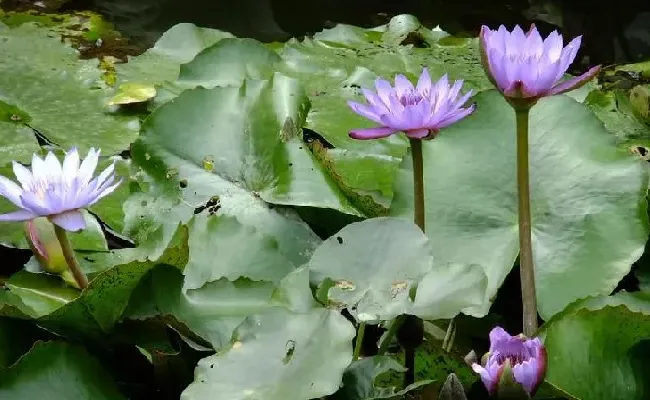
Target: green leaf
55	370
241	251
604	339
59	95
179	45
375	267
228	63
16	338
278	355
588	199
613	107
213	312
359	380
241	152
92	312
17	143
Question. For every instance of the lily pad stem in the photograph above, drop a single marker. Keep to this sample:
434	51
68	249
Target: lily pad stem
359	343
383	347
70	259
526	267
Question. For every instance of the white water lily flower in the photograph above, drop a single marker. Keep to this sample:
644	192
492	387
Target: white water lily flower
57	191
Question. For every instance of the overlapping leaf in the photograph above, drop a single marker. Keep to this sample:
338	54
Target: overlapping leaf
604	339
57	94
376	267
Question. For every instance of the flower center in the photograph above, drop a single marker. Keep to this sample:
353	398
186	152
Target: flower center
514	358
411	98
41	188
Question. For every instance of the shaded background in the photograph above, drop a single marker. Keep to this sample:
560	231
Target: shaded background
613	31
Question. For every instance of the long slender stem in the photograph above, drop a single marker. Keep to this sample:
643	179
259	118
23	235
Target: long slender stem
450	335
383	347
526	267
359	343
70	259
408	323
418	183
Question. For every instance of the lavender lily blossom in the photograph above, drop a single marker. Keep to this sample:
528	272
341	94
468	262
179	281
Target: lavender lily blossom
523	65
524	358
419	111
57	191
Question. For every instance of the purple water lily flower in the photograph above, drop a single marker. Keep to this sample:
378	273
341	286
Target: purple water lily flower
57	191
524	359
419	111
523	65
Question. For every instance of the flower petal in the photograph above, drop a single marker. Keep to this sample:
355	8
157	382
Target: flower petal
20	215
71	165
576	82
70	220
23	175
88	166
402	86
424	83
372	133
11	191
418	133
365	111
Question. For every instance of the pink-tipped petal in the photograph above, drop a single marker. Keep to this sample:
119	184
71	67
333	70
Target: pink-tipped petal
575	82
71	221
372	133
20	215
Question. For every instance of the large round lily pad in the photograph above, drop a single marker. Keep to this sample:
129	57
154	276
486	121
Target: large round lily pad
588	199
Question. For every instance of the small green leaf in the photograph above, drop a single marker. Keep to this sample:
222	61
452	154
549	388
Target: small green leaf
359	380
57	371
132	92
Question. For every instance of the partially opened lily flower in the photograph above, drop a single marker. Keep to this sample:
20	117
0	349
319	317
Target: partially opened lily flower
512	358
57	191
419	111
523	65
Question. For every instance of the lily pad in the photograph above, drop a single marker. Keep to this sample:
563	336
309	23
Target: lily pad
605	339
376	267
60	96
588	199
56	370
179	45
278	355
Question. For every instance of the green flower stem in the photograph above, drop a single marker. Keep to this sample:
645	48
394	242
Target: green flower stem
359	344
390	334
450	335
70	259
526	267
418	182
